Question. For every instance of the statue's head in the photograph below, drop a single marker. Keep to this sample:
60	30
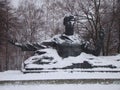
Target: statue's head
69	22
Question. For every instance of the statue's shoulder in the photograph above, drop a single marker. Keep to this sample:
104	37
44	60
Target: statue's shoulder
66	39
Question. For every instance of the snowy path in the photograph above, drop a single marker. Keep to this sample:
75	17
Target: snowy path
60	81
17	75
61	87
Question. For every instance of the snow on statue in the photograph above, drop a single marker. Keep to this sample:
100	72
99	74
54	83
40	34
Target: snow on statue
66	44
50	52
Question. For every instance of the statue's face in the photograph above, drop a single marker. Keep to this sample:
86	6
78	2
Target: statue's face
71	22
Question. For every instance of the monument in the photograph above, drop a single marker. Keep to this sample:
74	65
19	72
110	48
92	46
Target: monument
64	45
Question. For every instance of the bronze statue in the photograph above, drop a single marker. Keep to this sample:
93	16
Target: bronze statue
70	45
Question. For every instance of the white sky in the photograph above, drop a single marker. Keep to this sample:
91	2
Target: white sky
14	2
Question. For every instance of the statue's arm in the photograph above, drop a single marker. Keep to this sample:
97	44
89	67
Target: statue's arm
98	46
27	46
32	46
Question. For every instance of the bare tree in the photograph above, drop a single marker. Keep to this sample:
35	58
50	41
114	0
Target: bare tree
118	23
7	23
31	19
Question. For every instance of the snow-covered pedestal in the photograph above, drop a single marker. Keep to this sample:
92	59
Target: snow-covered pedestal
64	53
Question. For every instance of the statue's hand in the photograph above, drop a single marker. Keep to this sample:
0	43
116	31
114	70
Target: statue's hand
12	41
84	45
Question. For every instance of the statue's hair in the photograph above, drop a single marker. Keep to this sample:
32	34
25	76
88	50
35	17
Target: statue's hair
67	19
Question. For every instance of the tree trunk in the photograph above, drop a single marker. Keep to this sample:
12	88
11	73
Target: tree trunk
118	13
119	36
108	42
6	38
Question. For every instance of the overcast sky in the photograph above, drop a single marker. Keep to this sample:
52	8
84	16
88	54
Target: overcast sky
14	2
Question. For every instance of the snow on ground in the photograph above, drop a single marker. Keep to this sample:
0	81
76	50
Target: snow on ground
17	75
61	87
73	74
